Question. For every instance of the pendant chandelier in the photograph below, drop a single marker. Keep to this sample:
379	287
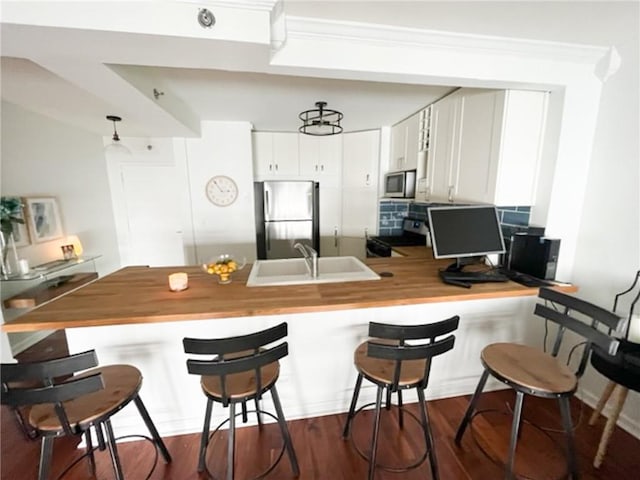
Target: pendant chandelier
115	146
320	121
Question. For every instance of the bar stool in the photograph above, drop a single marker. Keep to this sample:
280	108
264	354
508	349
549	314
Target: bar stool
531	371
622	370
59	404
242	370
394	365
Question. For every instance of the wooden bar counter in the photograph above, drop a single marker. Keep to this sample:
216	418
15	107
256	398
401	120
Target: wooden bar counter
135	295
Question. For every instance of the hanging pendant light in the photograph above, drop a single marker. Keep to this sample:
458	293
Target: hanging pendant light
115	146
321	121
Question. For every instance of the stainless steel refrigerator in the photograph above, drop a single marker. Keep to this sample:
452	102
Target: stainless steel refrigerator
286	212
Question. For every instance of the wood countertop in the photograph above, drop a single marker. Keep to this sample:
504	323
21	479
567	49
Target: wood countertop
141	295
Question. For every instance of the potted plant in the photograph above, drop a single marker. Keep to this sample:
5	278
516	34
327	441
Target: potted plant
10	214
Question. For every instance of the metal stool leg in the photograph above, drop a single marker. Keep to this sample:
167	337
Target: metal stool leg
428	435
471	408
400	413
285	432
92	458
352	408
565	411
513	443
231	457
258	412
204	439
46	449
376	429
113	451
152	429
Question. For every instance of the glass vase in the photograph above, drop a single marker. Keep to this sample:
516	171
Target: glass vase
9	256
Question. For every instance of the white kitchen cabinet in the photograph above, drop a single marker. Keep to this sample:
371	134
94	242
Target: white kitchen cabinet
439	174
405	144
360	188
361	159
275	155
330	220
320	157
485	146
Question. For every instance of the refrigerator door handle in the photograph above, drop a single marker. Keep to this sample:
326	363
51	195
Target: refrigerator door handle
268	239
266	201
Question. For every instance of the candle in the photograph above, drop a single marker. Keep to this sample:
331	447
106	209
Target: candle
178	281
634	328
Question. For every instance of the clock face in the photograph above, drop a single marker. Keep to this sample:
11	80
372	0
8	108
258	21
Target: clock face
221	190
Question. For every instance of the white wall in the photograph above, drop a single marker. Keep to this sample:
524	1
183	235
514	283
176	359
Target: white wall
43	157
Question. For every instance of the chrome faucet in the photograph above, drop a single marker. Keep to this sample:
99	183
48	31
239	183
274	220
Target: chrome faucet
310	258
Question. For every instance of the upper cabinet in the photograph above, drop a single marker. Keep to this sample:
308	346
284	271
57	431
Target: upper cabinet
406	143
361	157
485	147
275	155
320	156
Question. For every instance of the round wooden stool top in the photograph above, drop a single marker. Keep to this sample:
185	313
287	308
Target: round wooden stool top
240	385
380	370
530	368
121	384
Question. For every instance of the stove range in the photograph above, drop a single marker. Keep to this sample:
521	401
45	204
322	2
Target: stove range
414	232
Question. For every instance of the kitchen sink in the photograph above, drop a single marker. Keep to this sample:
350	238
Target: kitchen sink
293	271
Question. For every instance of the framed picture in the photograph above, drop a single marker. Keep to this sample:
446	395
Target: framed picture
15	207
44	219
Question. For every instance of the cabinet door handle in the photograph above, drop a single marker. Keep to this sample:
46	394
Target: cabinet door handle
270	166
335	237
450	193
316	168
366	182
266	201
322	168
276	167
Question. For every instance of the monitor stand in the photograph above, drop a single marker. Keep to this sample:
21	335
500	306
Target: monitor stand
460	263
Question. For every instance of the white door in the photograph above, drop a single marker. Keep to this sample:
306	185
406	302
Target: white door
153	205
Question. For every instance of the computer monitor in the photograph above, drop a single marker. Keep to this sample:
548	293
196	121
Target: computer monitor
462	232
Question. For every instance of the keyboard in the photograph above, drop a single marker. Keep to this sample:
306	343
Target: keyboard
525	279
465	279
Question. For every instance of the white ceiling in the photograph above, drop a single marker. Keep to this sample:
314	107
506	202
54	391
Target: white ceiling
102	73
273	102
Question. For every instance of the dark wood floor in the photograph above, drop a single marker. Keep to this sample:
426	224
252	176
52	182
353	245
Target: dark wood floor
323	455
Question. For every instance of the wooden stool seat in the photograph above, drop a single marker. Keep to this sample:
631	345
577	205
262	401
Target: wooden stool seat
240	385
380	370
121	383
529	368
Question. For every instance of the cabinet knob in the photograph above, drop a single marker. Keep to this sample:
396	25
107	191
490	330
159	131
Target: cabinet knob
450	196
270	167
316	168
276	167
322	168
366	182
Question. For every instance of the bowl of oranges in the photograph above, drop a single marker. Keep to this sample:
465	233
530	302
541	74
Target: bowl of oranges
223	267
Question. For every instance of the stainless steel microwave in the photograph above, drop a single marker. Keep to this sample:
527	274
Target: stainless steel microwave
400	184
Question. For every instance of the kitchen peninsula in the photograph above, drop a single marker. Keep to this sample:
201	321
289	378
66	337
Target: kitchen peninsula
131	316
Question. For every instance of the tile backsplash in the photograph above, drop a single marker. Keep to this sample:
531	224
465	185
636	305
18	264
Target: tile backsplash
392	212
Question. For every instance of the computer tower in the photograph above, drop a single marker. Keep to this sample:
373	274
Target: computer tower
534	255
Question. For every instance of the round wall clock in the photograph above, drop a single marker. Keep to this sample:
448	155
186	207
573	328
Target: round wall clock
221	190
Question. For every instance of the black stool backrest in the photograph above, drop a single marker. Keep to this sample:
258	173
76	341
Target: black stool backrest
586	324
402	352
256	355
32	383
